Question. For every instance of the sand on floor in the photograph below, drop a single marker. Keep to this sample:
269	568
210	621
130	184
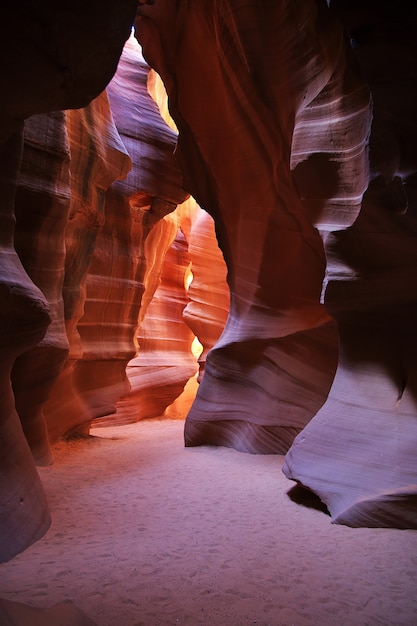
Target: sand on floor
146	532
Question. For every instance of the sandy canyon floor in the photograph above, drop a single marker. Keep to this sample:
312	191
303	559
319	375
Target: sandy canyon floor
147	532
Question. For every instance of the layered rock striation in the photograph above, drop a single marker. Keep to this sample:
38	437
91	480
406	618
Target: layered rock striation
316	272
123	185
208	295
273	365
41	208
48	62
118	275
357	452
164	362
98	158
24	319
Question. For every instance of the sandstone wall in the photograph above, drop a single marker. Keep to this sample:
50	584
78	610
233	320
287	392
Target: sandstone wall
357	453
274	135
236	137
51	57
298	138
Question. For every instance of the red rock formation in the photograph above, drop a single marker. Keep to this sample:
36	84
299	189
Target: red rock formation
98	158
358	453
236	132
24	319
164	363
273	120
209	297
51	57
41	208
115	281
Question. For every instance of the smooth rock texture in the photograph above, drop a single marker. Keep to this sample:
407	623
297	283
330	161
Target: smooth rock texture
41	207
49	60
17	614
235	144
117	275
165	362
98	158
209	297
24	319
358	453
273	104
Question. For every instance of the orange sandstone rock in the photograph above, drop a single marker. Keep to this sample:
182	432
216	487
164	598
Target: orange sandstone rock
236	102
48	61
132	207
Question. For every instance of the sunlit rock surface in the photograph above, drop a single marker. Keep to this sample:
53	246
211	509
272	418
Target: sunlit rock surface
209	297
41	208
358	453
116	278
274	120
235	145
98	158
165	362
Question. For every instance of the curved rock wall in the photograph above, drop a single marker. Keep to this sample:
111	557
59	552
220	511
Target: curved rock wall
164	363
274	116
117	276
41	208
209	297
24	317
55	56
357	453
235	145
98	157
268	168
107	260
48	61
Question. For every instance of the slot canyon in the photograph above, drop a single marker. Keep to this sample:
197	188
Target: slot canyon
208	211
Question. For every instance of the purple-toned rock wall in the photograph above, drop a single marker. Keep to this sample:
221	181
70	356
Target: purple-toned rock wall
296	134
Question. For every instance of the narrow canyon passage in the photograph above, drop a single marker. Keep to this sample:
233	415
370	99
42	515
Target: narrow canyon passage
147	532
284	180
